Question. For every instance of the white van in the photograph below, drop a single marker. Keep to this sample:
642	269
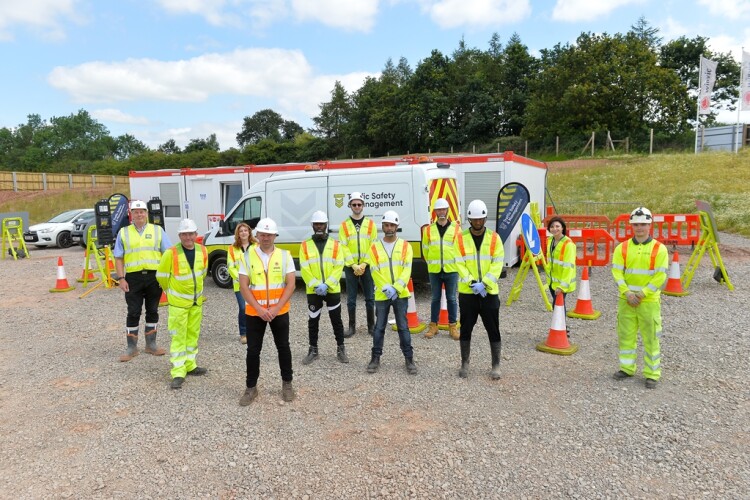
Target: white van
291	199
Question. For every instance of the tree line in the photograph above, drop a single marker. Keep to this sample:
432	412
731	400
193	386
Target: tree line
483	100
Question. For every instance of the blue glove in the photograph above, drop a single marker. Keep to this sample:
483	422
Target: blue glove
390	292
479	289
321	290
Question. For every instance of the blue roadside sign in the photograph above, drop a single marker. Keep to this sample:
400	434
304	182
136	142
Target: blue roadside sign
511	202
530	235
118	205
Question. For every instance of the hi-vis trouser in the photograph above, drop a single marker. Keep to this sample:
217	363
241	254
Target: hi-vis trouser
646	318
184	325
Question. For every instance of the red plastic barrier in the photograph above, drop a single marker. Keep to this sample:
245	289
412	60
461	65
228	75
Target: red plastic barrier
670	229
582	221
595	246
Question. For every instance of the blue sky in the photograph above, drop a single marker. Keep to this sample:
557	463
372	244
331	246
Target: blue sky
183	69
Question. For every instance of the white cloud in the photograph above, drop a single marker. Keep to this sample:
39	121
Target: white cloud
117	116
672	29
213	11
43	16
731	9
476	13
586	10
349	15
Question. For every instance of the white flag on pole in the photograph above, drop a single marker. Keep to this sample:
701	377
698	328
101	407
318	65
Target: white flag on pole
707	80
745	82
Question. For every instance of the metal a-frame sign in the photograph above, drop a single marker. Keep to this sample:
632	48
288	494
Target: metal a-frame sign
709	240
533	257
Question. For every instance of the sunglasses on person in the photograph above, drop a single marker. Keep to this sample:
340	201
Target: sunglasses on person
355	204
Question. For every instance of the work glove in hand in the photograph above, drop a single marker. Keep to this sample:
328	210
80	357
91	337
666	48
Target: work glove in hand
479	289
321	289
390	292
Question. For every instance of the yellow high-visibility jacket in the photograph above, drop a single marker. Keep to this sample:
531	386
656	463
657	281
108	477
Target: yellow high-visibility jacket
183	285
640	267
561	264
394	270
484	264
142	251
235	257
317	268
440	253
267	287
357	242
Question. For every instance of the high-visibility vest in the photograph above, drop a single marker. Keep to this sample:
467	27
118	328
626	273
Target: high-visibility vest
440	252
358	241
142	251
183	285
235	257
484	265
640	268
394	270
267	286
561	264
326	268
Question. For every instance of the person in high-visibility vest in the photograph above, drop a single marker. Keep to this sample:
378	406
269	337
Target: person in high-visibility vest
439	251
390	260
181	273
138	250
357	233
236	252
561	260
267	283
639	268
321	262
480	262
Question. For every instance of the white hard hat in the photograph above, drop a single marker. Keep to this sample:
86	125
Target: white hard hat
477	210
186	226
138	204
356	195
440	203
319	216
391	216
641	215
267	226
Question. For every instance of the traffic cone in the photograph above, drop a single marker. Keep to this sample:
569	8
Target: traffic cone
557	340
443	320
83	277
412	320
674	283
62	282
163	301
584	309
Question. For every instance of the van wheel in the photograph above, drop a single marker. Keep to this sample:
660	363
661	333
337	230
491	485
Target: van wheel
220	273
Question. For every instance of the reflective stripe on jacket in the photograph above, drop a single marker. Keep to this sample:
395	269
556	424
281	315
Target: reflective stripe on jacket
142	252
357	241
326	268
183	285
640	268
561	264
234	261
267	286
394	270
484	265
440	252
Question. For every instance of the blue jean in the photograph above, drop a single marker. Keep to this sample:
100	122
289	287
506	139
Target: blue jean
382	308
450	280
352	285
241	313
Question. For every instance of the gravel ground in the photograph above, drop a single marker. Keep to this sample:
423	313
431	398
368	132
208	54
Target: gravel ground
77	423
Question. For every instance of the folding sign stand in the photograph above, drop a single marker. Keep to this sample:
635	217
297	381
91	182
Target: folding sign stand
13	232
708	241
532	259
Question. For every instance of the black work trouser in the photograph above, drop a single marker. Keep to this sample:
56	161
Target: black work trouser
256	329
315	310
143	289
473	307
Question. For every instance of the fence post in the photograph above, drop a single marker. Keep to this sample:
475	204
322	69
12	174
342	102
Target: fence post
15	181
93	181
474	148
557	145
627	145
593	140
526	148
651	142
44	182
498	147
70	181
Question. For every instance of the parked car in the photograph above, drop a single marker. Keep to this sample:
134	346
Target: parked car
56	231
81	230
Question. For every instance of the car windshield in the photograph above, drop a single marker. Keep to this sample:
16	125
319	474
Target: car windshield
85	218
65	216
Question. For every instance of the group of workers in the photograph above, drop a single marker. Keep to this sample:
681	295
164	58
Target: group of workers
466	264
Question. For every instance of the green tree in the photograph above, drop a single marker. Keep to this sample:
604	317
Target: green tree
210	144
76	137
331	123
170	147
127	146
264	124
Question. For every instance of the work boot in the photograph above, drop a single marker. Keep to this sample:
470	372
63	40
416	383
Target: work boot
352	324
312	355
370	320
619	375
341	354
374	364
151	344
433	330
198	371
132	349
287	392
495	350
453	331
651	383
177	382
465	353
411	368
249	396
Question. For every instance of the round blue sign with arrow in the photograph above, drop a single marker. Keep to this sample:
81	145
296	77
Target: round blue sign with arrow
530	235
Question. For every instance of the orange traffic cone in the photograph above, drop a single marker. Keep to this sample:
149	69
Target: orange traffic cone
674	283
62	282
443	321
557	340
163	301
91	277
584	309
415	326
